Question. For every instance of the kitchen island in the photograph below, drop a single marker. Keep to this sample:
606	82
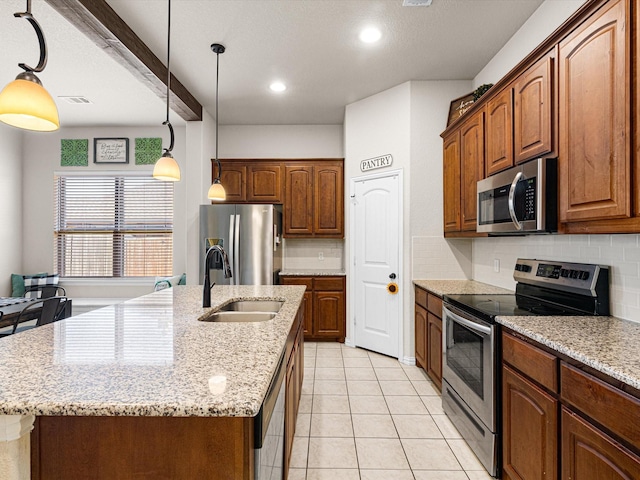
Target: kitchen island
144	388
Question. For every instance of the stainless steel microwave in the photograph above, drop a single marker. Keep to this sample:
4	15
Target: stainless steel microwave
520	200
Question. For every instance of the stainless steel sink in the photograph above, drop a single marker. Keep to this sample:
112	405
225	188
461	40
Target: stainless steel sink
245	311
252	306
231	316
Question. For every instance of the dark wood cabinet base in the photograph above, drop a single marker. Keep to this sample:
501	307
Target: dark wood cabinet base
142	447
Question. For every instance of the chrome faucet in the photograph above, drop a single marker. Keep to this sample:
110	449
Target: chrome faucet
206	292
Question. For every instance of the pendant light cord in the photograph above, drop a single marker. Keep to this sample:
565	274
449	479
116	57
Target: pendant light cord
217	83
167	122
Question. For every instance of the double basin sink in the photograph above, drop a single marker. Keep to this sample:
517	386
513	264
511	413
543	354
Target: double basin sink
245	311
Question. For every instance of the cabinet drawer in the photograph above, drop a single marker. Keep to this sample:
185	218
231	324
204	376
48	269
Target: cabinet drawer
306	281
421	297
434	305
331	284
533	362
610	407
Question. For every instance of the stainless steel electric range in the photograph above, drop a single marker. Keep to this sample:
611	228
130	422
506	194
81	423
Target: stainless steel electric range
470	369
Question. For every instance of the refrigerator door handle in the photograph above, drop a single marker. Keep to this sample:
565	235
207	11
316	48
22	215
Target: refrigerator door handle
236	251
232	253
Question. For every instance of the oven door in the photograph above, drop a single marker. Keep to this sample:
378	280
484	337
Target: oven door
469	362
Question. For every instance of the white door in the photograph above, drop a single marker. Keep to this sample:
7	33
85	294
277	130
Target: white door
376	258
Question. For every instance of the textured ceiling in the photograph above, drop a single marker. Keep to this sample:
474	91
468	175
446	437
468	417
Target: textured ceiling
311	45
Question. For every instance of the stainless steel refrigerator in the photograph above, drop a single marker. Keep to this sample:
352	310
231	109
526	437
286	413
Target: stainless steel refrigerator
251	236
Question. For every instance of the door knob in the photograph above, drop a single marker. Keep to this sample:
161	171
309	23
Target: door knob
392	276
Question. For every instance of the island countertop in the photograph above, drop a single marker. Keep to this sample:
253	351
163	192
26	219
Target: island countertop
149	356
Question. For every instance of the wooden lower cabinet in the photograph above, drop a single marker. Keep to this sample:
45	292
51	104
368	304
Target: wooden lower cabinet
577	428
434	349
588	453
325	306
421	336
529	427
293	381
428	334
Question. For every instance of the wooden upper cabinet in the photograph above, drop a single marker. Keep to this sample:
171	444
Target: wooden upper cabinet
233	179
314	199
472	167
298	209
499	132
533	110
264	183
328	197
451	182
594	118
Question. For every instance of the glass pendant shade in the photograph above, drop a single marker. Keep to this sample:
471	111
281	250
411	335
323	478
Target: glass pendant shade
26	104
166	169
216	191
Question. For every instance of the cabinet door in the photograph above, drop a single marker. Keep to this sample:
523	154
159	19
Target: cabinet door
233	179
298	207
472	168
289	414
530	429
434	349
533	110
329	313
307	305
264	183
451	182
421	336
589	454
594	161
499	132
328	200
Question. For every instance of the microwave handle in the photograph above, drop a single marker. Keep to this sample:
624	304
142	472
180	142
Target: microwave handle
512	193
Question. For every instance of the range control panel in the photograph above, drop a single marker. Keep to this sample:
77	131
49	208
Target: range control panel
558	275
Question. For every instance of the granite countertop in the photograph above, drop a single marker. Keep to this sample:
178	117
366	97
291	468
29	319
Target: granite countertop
460	287
608	344
313	273
149	356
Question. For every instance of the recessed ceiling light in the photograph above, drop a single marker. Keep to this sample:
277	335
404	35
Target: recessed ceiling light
370	35
278	87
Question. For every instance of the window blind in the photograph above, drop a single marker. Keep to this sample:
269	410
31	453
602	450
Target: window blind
113	226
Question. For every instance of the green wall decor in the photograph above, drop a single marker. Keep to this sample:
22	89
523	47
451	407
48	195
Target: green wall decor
74	153
148	150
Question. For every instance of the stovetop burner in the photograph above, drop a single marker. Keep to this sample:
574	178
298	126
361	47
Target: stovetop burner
492	306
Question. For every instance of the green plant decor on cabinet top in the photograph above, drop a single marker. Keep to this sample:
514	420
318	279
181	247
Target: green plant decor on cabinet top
74	153
148	150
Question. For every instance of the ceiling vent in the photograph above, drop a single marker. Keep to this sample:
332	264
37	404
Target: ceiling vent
416	3
76	100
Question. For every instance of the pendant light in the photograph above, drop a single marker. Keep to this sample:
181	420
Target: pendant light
166	168
216	190
24	103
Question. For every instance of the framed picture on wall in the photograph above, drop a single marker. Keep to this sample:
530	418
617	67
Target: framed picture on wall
110	150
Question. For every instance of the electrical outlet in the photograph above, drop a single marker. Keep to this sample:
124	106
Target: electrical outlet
496	265
320	256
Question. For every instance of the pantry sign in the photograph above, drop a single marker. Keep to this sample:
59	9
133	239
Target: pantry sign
375	163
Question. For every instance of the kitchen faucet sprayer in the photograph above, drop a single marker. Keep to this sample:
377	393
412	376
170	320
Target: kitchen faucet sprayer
206	290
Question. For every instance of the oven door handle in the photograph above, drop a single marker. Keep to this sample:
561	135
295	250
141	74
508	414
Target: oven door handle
511	201
467	323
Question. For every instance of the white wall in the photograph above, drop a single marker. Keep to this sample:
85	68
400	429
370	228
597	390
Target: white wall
549	16
10	206
431	255
41	158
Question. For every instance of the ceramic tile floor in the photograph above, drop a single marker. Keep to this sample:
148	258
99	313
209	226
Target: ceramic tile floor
366	416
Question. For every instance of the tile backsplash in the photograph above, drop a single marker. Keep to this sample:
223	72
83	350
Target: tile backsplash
307	253
620	252
437	258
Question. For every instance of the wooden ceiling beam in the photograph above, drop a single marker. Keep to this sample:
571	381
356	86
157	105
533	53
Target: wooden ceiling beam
98	21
